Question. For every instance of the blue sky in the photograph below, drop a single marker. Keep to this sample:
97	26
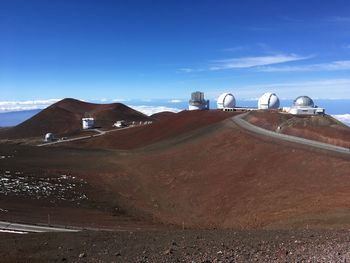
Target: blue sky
118	50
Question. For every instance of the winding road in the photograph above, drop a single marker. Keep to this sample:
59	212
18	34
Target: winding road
8	227
98	131
289	138
238	120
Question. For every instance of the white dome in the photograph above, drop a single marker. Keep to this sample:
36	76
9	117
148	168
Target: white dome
303	101
268	101
49	137
226	100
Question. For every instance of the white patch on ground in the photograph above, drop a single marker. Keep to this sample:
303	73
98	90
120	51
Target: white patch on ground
62	188
2	157
344	118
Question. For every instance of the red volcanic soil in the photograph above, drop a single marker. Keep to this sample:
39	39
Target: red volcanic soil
162	115
205	173
226	178
64	118
165	128
316	127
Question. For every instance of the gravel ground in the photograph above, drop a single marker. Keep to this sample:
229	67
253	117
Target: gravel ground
179	246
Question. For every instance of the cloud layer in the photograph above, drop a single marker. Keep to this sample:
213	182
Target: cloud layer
332	66
149	110
344	118
249	62
175	101
316	89
6	106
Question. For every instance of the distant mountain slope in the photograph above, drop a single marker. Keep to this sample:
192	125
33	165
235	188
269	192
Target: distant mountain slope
64	117
162	115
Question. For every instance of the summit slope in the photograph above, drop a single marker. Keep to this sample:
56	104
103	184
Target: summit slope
64	118
323	128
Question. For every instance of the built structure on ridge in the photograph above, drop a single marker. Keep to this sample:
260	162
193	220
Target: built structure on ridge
268	101
226	100
120	124
304	105
49	137
197	101
88	123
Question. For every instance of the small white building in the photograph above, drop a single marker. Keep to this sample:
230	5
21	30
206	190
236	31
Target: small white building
226	100
88	123
197	101
120	124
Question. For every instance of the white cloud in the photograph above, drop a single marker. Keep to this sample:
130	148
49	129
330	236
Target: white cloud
332	66
186	70
250	62
120	100
344	118
190	70
339	19
175	101
149	110
324	88
6	106
235	49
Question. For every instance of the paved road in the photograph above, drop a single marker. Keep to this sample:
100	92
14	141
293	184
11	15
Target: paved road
25	228
99	133
293	139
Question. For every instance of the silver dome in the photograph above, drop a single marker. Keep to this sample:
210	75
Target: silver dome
303	101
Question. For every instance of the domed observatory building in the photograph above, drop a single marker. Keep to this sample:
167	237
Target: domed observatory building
303	102
49	137
197	101
304	105
268	101
226	101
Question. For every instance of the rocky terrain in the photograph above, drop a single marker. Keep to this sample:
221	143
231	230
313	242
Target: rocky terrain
179	246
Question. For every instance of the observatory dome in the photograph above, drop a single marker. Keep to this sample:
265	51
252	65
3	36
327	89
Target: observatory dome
268	101
49	137
303	101
197	101
226	100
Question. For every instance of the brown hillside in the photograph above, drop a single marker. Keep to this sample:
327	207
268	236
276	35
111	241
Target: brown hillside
223	177
166	128
321	128
228	178
162	115
64	118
